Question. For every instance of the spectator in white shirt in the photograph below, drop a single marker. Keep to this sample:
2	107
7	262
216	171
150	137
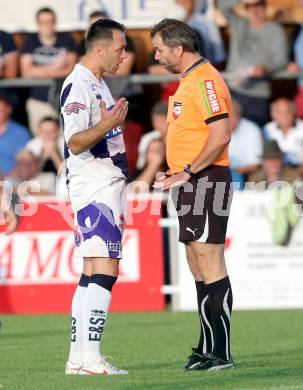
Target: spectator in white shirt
245	148
287	130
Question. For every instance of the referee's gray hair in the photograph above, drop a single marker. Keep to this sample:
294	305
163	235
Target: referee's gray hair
176	33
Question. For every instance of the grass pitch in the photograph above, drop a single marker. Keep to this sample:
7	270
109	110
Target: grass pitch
267	347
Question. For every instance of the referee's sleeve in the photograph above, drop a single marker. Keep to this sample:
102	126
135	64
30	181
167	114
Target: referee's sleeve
211	99
75	109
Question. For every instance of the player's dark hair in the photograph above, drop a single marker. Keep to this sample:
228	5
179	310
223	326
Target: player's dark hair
49	119
176	33
102	30
43	10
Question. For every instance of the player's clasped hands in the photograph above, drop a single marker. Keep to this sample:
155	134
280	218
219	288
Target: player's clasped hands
117	115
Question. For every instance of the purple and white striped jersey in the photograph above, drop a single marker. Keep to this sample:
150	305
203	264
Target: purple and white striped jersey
106	162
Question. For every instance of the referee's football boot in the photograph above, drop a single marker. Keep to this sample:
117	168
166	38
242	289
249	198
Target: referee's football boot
210	362
194	358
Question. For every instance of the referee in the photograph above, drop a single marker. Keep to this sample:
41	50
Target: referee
197	155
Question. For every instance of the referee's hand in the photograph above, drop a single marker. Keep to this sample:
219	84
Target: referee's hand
165	183
117	115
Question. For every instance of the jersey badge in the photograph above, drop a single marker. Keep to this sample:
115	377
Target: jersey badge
74	107
177	110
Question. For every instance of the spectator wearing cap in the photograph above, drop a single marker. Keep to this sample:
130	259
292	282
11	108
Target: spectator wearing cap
245	148
272	166
258	47
13	137
284	184
287	130
45	54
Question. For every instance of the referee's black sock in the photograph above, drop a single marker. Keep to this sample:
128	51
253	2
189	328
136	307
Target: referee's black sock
205	342
220	305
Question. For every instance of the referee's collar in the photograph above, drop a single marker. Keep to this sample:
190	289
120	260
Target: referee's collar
201	61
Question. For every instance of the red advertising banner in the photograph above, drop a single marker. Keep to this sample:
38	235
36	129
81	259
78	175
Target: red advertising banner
39	272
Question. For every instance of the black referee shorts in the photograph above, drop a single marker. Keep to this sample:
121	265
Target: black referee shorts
203	205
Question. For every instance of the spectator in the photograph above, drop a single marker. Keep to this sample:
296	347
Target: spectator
8	70
296	65
48	146
154	162
258	47
28	169
212	44
283	181
159	123
287	130
245	148
272	169
204	6
8	57
13	137
45	55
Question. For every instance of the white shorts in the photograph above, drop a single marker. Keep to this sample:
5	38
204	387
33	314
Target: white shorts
99	224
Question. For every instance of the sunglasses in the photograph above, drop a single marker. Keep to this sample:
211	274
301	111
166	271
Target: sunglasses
257	4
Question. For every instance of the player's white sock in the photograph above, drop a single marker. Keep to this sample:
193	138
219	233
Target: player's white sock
96	305
75	353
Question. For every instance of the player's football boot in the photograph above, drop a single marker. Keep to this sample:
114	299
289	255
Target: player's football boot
210	362
71	368
102	367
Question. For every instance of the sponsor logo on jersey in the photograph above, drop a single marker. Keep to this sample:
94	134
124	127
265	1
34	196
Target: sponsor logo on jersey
94	86
113	246
114	133
74	107
177	110
210	96
77	238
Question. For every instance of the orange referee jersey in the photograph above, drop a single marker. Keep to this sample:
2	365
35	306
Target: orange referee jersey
201	98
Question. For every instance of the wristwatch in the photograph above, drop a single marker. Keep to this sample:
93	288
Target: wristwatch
188	171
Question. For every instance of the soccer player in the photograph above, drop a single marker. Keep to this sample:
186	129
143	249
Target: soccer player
96	169
197	153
